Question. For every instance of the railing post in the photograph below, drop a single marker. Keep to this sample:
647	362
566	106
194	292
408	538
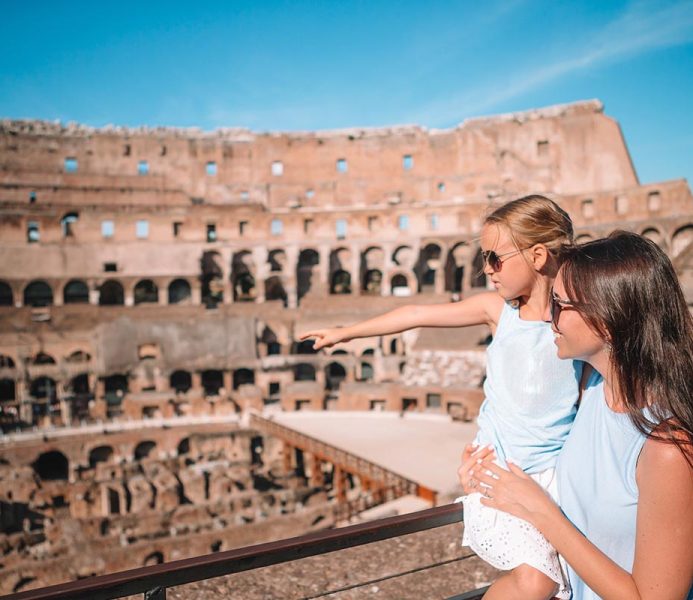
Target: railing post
157	593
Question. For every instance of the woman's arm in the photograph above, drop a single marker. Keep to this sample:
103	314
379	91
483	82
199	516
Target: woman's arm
480	309
663	566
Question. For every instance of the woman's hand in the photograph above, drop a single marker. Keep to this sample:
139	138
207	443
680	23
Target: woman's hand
513	491
324	338
471	457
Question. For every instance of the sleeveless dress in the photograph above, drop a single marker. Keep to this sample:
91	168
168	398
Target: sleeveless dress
526	416
596	481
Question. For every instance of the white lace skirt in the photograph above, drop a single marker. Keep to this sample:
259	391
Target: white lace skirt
505	542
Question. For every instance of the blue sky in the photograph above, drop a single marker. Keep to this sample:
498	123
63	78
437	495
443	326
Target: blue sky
272	65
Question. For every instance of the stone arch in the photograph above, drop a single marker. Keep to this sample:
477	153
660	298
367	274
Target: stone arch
242	277
654	234
6	294
212	279
179	291
146	292
427	266
270	340
76	291
399	285
212	381
38	293
100	454
78	356
277	260
340	282
8	390
180	381
243	377
183	446
372	267
144	449
52	466
274	290
304	372
6	362
305	347
111	293
367	372
478	275
42	358
335	373
682	239
455	264
115	387
403	256
308	259
43	387
66	223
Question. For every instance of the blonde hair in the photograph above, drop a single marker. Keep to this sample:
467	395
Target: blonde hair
534	219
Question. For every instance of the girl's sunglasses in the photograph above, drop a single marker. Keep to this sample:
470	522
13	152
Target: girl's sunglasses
495	261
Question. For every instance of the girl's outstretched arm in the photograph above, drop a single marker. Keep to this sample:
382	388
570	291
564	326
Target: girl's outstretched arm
484	308
663	565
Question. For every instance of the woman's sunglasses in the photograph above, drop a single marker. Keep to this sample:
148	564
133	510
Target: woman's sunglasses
557	304
495	261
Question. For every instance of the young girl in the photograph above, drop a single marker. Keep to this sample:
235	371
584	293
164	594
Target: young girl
530	394
625	474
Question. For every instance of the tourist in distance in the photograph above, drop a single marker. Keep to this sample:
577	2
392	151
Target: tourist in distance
625	474
531	394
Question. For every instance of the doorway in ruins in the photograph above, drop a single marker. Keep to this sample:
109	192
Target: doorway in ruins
306	271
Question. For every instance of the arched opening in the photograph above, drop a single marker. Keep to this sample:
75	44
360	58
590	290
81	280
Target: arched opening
67	222
144	449
52	466
243	377
372	282
341	282
7	390
100	454
180	381
179	291
212	279
146	292
212	382
366	371
42	358
242	279
427	266
6	362
334	375
277	261
6	295
44	388
304	372
478	275
400	286
183	446
38	293
116	386
274	290
305	347
454	267
655	235
307	261
682	239
269	339
80	384
76	292
78	356
155	558
111	293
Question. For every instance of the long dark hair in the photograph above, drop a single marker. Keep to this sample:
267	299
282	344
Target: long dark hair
628	293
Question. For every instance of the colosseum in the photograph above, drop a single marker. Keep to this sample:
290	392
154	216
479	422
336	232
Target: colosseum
154	283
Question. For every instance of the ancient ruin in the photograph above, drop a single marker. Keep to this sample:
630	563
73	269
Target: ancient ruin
154	282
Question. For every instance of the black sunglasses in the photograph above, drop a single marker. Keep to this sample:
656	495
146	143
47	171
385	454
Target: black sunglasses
495	260
557	304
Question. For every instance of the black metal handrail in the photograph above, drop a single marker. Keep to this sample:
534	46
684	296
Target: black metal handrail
153	581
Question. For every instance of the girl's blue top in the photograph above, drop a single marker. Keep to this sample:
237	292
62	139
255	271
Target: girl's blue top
531	394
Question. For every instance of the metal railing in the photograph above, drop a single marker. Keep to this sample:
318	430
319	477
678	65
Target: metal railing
153	581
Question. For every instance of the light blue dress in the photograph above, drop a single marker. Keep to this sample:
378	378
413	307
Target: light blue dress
596	480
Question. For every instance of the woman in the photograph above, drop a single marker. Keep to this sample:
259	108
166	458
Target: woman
625	474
